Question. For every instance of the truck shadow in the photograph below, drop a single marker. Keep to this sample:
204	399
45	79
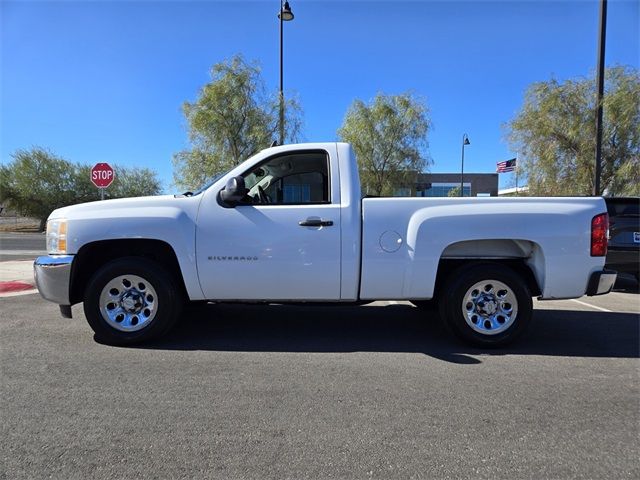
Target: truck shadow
625	283
392	328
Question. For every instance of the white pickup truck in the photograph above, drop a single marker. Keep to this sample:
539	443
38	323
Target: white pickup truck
290	225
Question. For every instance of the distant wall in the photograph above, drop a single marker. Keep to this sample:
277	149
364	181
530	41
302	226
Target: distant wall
479	182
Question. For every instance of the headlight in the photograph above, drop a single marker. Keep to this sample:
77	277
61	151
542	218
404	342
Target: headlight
57	236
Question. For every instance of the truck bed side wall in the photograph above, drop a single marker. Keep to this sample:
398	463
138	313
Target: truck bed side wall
552	234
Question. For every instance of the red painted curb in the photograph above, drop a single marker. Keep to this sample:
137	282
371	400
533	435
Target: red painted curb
15	286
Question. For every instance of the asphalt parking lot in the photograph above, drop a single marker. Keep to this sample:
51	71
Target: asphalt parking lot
378	391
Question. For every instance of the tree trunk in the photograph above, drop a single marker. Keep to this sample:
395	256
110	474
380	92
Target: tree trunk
43	224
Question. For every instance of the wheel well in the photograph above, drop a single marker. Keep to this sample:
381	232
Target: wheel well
94	255
447	266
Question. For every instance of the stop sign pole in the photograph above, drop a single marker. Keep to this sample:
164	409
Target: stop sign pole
102	175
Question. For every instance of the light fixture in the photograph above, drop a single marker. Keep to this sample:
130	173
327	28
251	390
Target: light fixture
465	141
285	13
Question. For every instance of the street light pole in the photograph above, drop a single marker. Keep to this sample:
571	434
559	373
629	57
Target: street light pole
465	141
285	15
599	96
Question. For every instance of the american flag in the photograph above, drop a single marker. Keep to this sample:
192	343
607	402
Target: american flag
506	166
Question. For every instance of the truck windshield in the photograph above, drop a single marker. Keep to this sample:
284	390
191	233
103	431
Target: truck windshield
213	180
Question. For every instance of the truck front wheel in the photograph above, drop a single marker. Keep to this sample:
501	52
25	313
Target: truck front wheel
487	305
131	300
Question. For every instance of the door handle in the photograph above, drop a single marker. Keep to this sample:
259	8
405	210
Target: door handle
315	222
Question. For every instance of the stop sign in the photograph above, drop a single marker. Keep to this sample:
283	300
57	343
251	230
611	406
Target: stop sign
102	175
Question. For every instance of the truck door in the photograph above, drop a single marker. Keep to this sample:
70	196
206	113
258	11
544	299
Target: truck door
282	242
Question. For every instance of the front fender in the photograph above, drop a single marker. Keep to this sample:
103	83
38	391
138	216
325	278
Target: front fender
168	219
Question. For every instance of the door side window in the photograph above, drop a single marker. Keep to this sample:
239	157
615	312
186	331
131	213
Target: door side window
291	179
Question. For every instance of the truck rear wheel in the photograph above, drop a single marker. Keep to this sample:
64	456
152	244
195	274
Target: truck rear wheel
487	305
131	300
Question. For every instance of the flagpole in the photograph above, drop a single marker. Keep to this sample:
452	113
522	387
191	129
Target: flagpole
517	154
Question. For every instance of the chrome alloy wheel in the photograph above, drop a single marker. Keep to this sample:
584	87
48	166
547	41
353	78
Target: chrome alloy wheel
128	303
490	307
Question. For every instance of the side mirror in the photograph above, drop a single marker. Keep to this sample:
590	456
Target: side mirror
233	193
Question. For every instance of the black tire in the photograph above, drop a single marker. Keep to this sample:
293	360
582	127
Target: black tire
489	330
166	309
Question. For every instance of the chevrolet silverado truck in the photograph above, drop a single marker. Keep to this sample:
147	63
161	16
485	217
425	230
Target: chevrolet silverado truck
290	225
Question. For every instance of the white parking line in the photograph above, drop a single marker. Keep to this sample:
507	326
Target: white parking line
589	305
17	294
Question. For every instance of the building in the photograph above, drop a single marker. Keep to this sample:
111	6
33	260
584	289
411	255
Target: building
440	184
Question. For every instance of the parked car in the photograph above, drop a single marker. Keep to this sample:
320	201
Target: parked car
624	235
290	225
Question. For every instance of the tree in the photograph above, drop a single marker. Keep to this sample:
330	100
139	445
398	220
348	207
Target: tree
37	182
231	119
554	133
389	136
454	192
128	182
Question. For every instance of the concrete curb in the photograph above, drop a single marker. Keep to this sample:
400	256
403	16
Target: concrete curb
10	287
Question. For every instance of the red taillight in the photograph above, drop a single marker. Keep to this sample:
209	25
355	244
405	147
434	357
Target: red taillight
599	234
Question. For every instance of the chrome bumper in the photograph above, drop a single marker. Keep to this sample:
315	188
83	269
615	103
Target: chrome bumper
53	275
601	282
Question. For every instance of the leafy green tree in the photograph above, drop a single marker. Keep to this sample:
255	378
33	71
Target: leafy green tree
37	182
554	133
128	182
389	136
231	119
135	182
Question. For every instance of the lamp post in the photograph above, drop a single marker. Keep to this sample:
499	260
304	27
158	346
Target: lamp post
465	141
285	15
599	95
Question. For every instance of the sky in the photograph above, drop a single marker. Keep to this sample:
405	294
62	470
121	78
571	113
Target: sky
104	81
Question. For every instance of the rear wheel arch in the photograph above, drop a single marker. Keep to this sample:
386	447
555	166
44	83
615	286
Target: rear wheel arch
448	267
433	264
525	257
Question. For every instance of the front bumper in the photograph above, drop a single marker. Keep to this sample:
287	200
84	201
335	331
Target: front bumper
53	275
601	282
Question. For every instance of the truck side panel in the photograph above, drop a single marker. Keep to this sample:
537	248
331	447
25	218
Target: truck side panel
404	240
236	281
350	222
